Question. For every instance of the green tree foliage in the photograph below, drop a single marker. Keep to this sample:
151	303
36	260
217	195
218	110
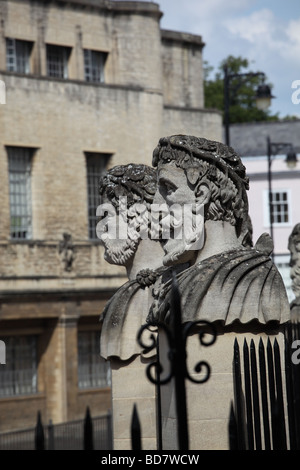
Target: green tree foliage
242	91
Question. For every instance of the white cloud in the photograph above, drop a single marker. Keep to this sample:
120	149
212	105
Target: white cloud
293	45
199	17
265	32
267	35
215	9
257	27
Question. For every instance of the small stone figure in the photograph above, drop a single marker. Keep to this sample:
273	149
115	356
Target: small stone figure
66	251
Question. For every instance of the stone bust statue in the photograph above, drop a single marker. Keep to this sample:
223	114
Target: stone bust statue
211	177
294	248
128	189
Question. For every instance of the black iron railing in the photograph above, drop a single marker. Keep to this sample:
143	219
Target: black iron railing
87	434
266	412
259	409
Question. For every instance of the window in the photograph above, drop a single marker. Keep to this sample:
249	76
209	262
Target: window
94	65
19	167
96	165
93	371
19	375
18	55
57	61
280	207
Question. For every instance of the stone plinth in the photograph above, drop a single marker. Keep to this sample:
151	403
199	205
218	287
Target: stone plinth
209	403
131	386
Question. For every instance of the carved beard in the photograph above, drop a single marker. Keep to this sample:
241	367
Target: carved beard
182	250
119	251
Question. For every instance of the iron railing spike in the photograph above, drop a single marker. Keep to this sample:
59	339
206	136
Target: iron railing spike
135	430
279	394
39	433
248	396
256	408
88	441
264	396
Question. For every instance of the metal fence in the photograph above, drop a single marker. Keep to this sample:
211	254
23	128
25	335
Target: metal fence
258	414
85	434
265	414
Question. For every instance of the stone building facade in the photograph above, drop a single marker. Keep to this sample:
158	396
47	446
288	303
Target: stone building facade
89	84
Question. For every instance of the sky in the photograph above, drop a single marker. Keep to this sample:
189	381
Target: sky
266	32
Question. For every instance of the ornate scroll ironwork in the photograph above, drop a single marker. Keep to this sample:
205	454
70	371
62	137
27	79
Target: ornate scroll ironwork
177	336
154	370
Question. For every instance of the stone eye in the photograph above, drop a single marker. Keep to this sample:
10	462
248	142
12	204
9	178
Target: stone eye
168	186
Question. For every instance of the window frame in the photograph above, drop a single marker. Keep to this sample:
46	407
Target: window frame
64	65
14	49
93	197
267	210
20	191
14	372
90	58
90	360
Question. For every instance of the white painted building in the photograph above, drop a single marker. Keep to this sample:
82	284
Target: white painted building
250	141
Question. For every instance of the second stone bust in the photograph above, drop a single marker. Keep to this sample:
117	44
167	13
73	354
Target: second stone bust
227	281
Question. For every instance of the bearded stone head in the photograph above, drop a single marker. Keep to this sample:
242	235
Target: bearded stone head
127	192
294	248
208	176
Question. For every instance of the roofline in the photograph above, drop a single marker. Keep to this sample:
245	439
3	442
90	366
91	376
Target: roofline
181	37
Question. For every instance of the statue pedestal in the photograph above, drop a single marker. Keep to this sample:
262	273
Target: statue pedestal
130	386
208	404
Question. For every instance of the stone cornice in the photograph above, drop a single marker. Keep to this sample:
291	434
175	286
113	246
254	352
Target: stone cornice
195	110
176	36
122	7
16	296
